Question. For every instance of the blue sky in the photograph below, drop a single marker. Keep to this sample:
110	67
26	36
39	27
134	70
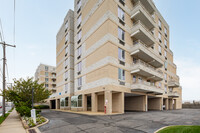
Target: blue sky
38	21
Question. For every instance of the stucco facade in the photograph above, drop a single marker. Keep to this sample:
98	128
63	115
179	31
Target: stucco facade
120	58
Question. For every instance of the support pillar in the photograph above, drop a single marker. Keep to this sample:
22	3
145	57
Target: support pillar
57	103
84	102
145	103
174	106
170	104
94	102
108	102
166	104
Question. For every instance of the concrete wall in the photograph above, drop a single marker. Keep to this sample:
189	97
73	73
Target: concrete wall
155	103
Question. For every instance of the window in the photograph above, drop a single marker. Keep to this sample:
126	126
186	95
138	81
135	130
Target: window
165	41
66	88
66	62
46	85
46	68
121	34
159	49
79	66
79	51
165	76
79	19
79	35
121	54
79	81
66	74
66	25
159	36
160	85
165	65
67	37
46	74
140	79
79	5
159	23
62	102
66	101
121	74
66	50
46	80
76	101
165	53
121	13
165	89
165	31
134	79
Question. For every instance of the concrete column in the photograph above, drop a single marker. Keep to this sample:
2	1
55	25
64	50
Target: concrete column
69	103
145	103
122	103
50	104
94	102
166	104
57	103
108	102
170	104
174	106
161	103
84	102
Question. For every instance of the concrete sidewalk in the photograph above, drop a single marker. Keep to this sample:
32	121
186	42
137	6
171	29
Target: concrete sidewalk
12	124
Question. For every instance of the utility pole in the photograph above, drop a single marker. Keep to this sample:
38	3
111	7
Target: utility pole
4	75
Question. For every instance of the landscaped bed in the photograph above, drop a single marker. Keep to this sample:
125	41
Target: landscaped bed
181	129
3	118
28	121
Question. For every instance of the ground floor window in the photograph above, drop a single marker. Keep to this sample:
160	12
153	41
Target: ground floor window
62	102
76	101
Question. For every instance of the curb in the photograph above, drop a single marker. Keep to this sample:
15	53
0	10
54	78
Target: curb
162	128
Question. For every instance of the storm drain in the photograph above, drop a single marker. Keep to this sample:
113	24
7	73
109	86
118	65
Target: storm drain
32	131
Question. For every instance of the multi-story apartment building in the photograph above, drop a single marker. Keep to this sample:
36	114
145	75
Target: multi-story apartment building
46	74
120	59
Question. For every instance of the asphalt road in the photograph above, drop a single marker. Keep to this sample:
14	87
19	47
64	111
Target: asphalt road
7	109
132	122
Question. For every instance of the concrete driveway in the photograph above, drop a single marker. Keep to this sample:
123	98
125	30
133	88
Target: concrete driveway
131	122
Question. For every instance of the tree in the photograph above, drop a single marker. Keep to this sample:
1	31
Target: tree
21	92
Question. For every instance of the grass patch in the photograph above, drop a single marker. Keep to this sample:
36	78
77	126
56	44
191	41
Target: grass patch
3	118
181	129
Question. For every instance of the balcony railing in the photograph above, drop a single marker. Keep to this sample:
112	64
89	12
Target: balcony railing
144	86
140	62
140	4
173	83
173	94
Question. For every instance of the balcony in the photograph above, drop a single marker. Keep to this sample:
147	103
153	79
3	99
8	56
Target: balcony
140	32
53	77
173	83
141	51
141	68
173	94
147	88
139	12
148	4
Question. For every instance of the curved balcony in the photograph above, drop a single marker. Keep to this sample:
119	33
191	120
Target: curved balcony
146	88
148	4
140	32
141	51
141	68
139	12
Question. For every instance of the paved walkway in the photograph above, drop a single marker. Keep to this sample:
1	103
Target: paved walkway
12	124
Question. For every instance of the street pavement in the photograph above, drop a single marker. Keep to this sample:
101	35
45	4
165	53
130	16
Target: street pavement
7	109
130	122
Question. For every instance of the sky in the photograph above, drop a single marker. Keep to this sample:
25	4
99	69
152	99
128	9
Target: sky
38	21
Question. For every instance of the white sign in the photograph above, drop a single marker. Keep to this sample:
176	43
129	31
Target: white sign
33	115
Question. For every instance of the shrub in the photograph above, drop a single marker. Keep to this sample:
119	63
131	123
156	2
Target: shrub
41	107
24	111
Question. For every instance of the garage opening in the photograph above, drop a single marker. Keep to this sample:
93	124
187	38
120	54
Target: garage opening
53	104
134	102
154	103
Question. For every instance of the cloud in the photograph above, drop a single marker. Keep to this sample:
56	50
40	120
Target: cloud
189	71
